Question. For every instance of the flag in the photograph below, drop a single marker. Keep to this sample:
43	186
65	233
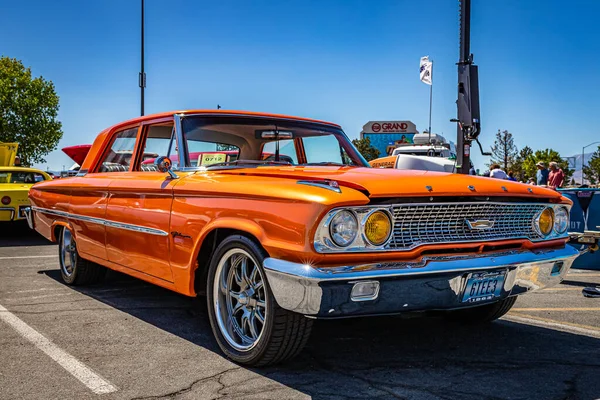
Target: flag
426	70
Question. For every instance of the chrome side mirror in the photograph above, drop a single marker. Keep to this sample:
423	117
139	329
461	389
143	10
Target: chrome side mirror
164	164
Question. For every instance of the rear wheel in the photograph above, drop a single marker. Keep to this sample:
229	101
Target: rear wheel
74	270
248	324
482	314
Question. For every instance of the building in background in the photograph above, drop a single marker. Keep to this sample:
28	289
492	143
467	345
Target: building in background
386	135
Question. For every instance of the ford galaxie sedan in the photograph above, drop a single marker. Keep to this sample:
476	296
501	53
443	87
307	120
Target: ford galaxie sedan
279	220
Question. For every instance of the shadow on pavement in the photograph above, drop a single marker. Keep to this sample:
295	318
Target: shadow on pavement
19	234
392	357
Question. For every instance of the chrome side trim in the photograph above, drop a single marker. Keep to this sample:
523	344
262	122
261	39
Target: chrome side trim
322	185
299	287
12	212
102	221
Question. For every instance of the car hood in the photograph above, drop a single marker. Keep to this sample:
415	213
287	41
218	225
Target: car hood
8	153
386	182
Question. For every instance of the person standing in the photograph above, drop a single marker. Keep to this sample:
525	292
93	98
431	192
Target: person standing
556	177
496	172
542	174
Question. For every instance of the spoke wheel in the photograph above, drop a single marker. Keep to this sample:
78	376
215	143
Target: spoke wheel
248	324
68	253
240	302
75	270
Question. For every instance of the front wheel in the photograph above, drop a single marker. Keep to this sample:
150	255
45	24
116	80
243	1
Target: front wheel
482	314
248	324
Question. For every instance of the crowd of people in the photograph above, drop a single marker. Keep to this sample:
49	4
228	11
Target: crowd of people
552	177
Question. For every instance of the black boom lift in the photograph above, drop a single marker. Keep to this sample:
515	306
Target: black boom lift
468	120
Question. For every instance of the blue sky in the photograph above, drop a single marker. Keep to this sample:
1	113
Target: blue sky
345	61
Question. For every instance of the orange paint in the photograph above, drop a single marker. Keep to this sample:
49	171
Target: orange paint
265	202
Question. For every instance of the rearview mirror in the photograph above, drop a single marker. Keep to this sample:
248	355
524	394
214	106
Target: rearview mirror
164	164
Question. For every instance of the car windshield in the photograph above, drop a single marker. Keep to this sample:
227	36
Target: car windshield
234	142
20	177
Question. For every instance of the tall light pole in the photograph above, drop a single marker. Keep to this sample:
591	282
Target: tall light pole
142	73
582	158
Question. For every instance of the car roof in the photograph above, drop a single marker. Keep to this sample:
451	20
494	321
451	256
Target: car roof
223	113
21	169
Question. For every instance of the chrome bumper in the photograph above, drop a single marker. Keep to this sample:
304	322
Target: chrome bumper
429	284
29	217
12	212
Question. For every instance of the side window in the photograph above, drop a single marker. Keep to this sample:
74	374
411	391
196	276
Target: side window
119	156
160	141
287	151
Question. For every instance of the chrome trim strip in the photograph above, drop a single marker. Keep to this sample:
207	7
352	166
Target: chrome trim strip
102	221
322	185
12	212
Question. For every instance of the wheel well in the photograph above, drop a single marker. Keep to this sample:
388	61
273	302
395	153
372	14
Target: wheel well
209	244
56	232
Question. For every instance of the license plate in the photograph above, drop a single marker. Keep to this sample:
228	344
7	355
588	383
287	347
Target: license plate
483	286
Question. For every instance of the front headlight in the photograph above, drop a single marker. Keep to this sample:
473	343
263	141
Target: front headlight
544	223
343	228
378	228
561	220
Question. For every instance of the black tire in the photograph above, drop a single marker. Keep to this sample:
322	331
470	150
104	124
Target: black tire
483	314
284	333
83	272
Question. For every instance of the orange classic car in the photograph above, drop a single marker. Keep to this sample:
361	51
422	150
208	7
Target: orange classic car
285	222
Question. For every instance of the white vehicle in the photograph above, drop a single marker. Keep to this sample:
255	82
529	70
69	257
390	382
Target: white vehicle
422	146
415	162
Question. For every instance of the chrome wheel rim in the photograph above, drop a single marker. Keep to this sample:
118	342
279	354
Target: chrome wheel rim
239	299
68	253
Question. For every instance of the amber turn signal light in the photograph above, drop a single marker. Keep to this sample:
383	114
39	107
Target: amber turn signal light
546	221
378	228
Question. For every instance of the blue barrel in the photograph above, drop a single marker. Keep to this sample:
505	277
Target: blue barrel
585	215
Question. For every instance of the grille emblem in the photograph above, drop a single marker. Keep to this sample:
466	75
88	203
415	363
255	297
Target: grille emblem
479	224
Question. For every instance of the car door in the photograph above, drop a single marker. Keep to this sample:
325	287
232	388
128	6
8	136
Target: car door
89	193
139	205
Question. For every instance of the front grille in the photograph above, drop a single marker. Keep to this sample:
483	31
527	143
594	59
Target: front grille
418	224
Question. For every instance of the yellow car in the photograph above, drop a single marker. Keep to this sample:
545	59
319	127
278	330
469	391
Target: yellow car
15	183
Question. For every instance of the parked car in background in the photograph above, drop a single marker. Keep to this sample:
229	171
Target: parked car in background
292	224
15	183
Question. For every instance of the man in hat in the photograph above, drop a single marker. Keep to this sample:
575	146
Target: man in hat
542	174
556	176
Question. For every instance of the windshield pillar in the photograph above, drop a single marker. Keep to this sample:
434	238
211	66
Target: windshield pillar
184	157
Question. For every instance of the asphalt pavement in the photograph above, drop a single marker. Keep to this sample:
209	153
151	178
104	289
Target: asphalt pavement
125	339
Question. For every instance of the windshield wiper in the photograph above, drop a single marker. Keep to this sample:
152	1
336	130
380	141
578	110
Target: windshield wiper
248	162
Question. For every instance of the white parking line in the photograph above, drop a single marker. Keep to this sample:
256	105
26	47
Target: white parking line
23	257
36	290
85	375
37	297
549	323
